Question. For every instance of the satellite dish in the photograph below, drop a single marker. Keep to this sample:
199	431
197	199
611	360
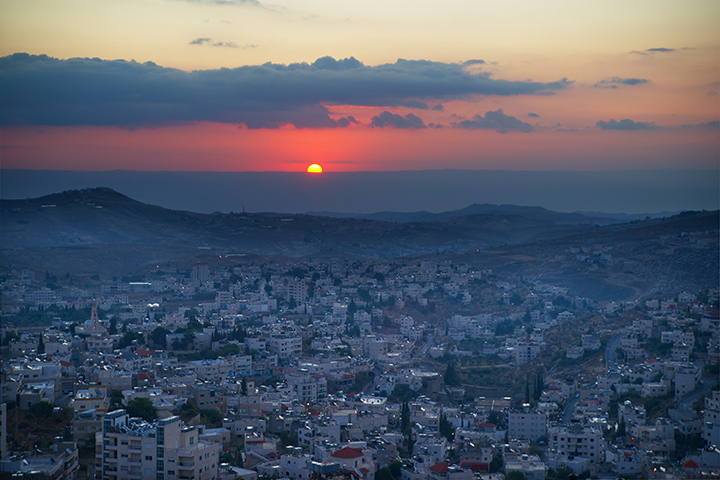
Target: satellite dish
69	452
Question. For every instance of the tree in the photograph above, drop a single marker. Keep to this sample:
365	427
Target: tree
451	376
405	418
494	418
243	386
211	417
446	428
158	336
113	326
41	409
515	475
384	474
116	399
41	345
188	411
143	408
129	338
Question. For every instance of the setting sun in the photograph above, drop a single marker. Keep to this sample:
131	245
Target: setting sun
314	168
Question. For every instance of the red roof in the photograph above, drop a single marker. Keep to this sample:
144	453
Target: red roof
364	470
143	376
487	425
142	352
65	364
348	452
440	467
690	463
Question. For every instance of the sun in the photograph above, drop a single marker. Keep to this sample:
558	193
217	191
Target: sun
314	168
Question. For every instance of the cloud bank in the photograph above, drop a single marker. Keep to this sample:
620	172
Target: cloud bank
41	90
626	124
497	121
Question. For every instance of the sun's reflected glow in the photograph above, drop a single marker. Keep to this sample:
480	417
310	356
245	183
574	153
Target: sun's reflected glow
314	168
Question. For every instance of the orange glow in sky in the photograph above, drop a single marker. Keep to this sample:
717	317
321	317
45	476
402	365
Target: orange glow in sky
641	88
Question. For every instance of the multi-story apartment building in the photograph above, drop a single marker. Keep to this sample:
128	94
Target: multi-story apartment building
711	419
577	440
308	388
164	450
526	350
285	346
526	425
200	273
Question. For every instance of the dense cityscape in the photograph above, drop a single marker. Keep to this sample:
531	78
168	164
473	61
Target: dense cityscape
257	368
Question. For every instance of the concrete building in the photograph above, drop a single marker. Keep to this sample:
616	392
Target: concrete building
711	419
200	273
167	449
526	425
586	442
308	388
285	346
526	351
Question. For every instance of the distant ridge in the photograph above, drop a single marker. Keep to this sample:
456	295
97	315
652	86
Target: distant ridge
634	192
100	230
574	218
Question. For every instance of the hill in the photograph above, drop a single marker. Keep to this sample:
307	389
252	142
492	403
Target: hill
102	231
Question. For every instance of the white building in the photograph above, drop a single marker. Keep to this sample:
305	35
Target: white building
132	448
586	442
527	425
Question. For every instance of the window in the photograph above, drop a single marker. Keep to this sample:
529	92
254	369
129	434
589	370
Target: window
148	457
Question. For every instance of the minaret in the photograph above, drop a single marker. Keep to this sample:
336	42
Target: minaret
93	315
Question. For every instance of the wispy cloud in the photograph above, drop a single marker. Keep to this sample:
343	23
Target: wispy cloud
653	50
209	42
614	82
47	91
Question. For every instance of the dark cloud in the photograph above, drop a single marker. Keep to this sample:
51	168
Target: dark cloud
387	119
615	81
715	124
469	63
533	115
626	124
414	104
40	90
201	41
438	107
660	50
497	121
346	121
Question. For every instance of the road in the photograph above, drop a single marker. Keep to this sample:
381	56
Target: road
569	409
611	362
684	405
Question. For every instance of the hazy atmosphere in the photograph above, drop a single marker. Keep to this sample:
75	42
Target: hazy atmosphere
359	240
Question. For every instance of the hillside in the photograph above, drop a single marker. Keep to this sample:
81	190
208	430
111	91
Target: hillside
102	231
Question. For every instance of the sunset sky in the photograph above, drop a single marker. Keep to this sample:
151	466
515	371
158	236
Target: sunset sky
244	85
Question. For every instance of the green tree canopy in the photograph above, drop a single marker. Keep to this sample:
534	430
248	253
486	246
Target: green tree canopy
451	376
143	408
158	336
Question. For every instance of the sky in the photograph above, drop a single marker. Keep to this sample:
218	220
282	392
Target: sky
268	85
